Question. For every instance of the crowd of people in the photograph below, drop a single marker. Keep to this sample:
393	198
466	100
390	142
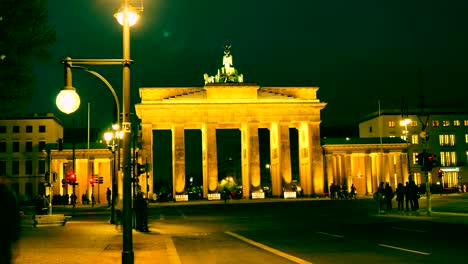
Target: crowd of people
341	191
407	197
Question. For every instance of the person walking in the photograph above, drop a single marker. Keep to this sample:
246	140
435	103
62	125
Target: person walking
388	197
9	221
108	196
400	197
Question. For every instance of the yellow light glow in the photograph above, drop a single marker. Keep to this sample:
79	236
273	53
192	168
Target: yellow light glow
108	136
68	101
405	122
132	14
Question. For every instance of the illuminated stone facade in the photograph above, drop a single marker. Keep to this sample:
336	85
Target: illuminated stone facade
365	162
242	106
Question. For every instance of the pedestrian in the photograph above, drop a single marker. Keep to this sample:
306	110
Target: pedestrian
9	221
388	196
141	208
353	191
382	196
408	198
41	205
414	195
108	196
332	191
400	196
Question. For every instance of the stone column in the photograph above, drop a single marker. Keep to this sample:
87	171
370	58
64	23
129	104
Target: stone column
347	171
404	167
209	159
147	156
368	174
305	160
178	159
330	165
250	158
386	168
280	157
316	155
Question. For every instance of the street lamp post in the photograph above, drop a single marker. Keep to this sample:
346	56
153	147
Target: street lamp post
110	138
126	16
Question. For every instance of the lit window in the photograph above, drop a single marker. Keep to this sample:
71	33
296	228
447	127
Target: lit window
435	123
466	138
414	139
465	122
448	158
415	158
446	123
447	140
391	123
414	123
403	137
456	122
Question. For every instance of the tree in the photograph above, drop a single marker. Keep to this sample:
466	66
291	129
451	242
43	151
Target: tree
25	35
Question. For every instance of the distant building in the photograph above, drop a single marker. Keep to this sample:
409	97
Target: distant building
446	135
23	158
364	162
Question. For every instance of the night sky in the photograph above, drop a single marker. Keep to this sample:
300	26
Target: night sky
357	52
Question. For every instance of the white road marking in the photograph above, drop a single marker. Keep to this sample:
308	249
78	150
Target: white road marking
172	252
405	249
269	249
407	229
327	234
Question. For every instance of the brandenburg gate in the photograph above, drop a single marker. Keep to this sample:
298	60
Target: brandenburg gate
226	102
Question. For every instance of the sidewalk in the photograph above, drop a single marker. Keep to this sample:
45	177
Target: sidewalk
91	242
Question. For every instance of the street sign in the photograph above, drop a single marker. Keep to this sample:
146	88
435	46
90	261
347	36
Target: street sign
126	127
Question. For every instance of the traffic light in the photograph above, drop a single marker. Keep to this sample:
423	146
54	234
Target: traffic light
140	169
427	160
91	181
441	173
72	177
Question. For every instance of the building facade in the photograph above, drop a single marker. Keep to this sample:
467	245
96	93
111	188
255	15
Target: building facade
23	158
443	132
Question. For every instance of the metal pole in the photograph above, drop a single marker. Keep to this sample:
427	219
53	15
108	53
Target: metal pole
428	193
114	187
73	165
127	247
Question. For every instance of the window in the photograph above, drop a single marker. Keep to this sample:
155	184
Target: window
435	123
370	129
2	146
448	158
15	167
456	122
414	123
16	129
42	165
29	146
445	123
42	129
29	129
2	168
28	167
403	137
42	145
415	158
391	124
3	129
447	140
16	146
466	138
414	139
465	122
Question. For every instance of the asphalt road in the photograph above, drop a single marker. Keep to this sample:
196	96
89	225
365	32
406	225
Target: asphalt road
306	231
